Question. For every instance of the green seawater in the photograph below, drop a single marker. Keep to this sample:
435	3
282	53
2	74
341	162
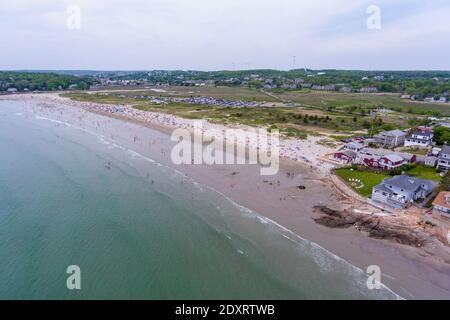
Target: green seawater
137	229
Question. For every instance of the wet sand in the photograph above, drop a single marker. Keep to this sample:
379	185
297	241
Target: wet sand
413	273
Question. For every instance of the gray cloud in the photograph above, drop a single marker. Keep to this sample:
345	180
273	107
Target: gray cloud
213	34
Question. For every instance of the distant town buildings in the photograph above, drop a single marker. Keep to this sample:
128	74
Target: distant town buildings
324	88
368	90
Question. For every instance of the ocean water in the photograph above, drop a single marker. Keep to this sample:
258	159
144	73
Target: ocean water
138	229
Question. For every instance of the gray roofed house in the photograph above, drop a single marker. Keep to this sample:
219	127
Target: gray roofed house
444	159
401	191
383	158
393	157
390	139
354	146
345	156
431	161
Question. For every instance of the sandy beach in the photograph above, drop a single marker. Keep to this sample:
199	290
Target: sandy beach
413	273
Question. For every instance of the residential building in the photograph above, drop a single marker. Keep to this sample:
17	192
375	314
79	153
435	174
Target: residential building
346	156
444	159
368	90
441	205
435	151
445	124
400	191
391	161
421	139
431	161
354	146
390	139
324	88
383	159
442	100
346	89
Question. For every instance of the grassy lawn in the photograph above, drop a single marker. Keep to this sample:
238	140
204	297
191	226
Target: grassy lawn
424	172
340	101
365	180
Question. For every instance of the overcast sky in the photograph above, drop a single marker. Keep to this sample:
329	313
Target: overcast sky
224	34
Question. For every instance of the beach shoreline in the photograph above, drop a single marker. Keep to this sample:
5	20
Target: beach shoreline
410	272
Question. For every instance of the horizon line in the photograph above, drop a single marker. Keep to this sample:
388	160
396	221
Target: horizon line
224	70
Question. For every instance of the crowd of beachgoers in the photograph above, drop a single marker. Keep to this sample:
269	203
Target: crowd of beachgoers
306	151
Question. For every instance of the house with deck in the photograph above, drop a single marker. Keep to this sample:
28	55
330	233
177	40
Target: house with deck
345	156
383	159
420	139
390	139
401	191
391	161
443	162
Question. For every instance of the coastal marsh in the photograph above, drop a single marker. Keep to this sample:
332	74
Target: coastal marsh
291	118
369	101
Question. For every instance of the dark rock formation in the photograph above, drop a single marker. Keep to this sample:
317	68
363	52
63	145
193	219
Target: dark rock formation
376	227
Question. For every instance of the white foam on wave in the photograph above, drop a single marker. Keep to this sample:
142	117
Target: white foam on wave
319	253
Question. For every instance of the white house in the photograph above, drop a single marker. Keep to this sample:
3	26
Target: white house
401	191
421	139
444	159
354	146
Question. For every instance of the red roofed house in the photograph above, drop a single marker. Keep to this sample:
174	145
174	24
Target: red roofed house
391	161
346	156
441	205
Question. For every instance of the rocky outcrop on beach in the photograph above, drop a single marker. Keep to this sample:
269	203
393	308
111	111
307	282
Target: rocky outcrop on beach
376	226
